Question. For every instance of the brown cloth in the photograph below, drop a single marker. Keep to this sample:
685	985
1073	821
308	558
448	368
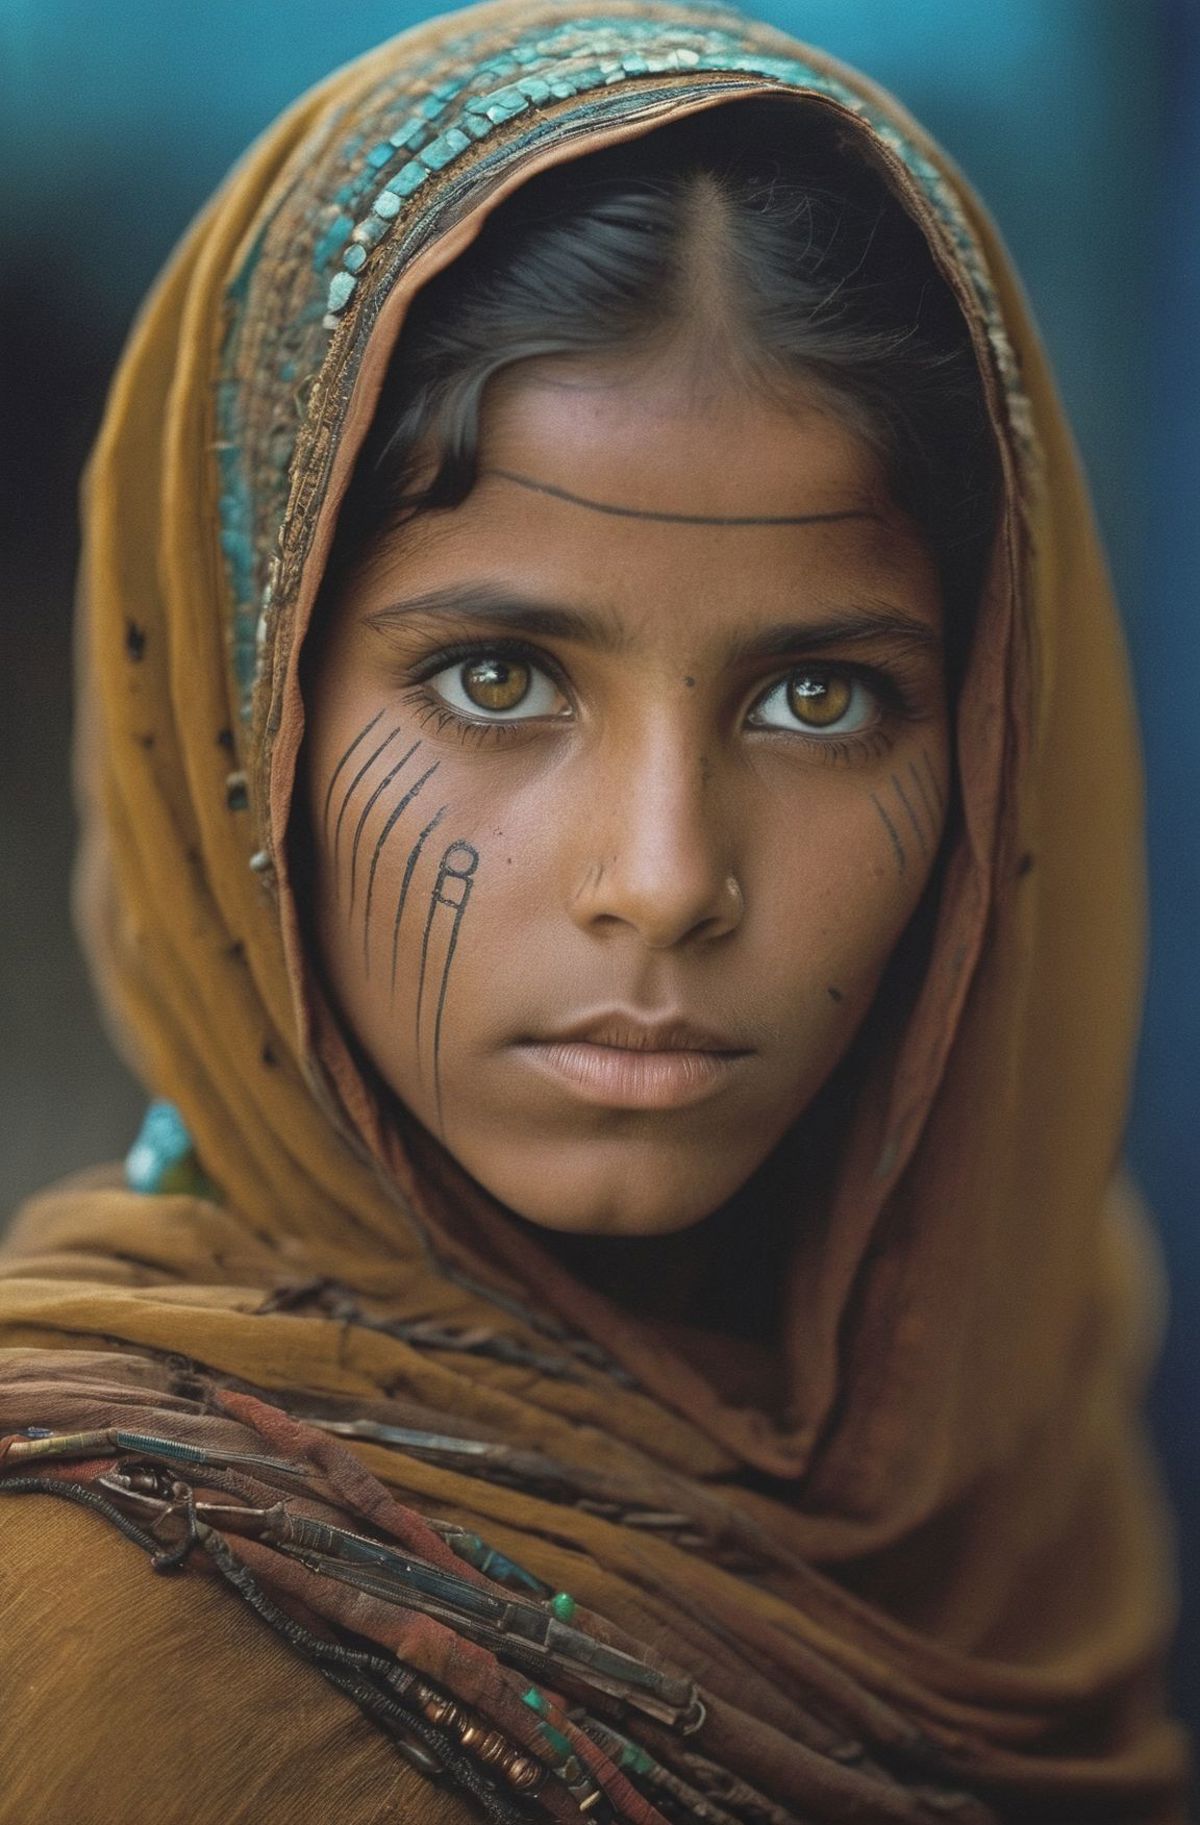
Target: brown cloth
926	1575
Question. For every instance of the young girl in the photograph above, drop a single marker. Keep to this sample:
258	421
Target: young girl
612	824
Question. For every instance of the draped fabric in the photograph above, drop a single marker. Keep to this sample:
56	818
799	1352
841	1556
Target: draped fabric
928	1577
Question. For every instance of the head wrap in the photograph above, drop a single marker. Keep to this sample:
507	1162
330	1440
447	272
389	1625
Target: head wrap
925	1579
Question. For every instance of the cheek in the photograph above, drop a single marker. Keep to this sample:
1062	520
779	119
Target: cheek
847	881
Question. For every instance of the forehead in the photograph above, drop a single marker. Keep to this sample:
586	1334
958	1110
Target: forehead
667	501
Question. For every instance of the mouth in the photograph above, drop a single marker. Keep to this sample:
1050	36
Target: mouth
619	1059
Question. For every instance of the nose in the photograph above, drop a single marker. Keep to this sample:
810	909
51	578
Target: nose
654	855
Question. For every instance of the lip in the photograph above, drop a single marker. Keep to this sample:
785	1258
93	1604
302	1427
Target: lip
630	1031
618	1059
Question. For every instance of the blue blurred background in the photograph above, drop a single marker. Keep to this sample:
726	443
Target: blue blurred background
1078	120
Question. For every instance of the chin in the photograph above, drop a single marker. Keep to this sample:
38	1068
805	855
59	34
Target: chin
626	1194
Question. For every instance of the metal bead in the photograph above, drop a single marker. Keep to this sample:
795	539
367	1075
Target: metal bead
472	1733
493	1746
523	1773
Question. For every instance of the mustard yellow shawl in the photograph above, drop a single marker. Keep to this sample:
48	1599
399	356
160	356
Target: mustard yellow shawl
930	1581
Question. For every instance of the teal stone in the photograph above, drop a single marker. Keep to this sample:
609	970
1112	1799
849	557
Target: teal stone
334	238
534	88
369	233
162	1158
500	111
288	371
509	97
387	203
477	125
556	1740
410	177
562	91
446	91
563	1605
406	139
447	146
355	258
523	53
635	1760
380	155
341	290
536	1701
501	66
431	107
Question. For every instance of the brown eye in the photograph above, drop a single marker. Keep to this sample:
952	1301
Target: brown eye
819	698
496	684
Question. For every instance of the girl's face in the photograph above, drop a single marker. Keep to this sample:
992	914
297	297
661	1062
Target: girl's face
624	778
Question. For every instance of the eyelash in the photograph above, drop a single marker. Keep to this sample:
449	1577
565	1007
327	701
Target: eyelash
896	702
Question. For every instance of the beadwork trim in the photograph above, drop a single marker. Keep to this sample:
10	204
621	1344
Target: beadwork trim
367	200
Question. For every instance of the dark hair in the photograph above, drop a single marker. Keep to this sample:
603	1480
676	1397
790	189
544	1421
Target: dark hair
758	225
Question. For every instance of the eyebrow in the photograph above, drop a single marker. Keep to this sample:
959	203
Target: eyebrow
685	519
602	632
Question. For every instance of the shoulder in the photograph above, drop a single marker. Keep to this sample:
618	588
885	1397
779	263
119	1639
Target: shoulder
127	1695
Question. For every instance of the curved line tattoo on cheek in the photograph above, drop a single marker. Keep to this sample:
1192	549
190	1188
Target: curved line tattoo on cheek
452	890
931	809
413	856
337	771
939	797
918	828
367	809
393	817
354	784
893	833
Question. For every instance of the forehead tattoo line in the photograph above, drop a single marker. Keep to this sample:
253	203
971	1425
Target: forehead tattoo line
682	519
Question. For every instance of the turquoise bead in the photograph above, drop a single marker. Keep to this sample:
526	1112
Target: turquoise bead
368	233
410	177
563	1606
334	238
341	290
161	1158
406	139
558	1742
447	146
